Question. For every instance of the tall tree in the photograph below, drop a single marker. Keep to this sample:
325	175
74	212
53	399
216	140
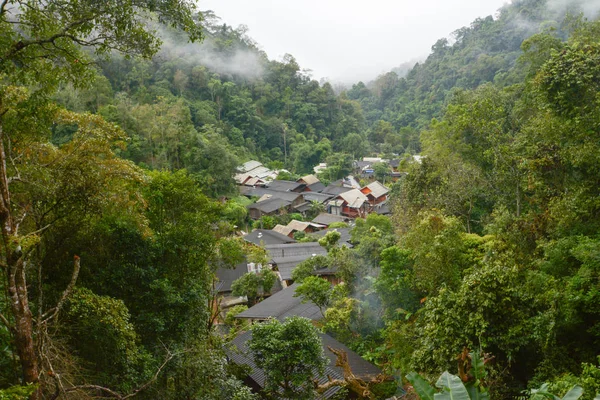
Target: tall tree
40	46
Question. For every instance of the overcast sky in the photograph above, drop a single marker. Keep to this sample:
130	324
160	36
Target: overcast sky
350	40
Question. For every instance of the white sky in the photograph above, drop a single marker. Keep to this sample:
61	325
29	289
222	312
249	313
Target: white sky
350	40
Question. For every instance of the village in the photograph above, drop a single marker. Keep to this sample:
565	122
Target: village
313	210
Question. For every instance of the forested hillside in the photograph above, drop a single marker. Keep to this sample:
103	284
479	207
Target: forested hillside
121	127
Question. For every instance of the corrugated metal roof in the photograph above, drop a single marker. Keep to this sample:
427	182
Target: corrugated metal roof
313	196
259	192
282	229
266	237
283	186
249	165
270	205
355	198
328	219
240	355
377	189
309	179
226	276
282	304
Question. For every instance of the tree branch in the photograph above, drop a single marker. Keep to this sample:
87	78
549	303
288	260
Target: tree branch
5	321
48	315
3	7
117	395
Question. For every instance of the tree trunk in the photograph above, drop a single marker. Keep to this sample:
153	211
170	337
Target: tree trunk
14	265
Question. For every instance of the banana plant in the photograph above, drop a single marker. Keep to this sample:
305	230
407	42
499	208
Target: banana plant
451	386
573	394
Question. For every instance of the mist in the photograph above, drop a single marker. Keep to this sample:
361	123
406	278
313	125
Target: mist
590	8
243	62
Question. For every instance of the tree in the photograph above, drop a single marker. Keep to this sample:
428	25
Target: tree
291	354
40	47
315	289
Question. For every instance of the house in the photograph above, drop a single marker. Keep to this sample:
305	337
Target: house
249	166
313	184
297	226
281	305
262	237
354	203
285	186
328	219
272	206
285	257
240	355
382	209
283	230
337	187
294	198
309	198
320	168
394	164
375	192
314	196
226	276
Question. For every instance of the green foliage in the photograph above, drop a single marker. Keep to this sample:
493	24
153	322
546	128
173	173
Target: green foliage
96	323
452	386
330	240
252	285
291	355
246	285
316	290
267	279
438	250
307	267
17	392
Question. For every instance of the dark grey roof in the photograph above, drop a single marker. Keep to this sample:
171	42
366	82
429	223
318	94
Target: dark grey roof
288	256
226	276
303	207
270	205
383	209
394	163
240	355
259	192
281	305
336	188
328	219
283	186
266	236
316	187
313	196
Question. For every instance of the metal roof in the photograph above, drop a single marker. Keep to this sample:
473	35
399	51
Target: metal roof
316	187
226	276
282	229
266	237
328	219
281	305
314	196
270	205
377	189
249	165
354	197
309	179
240	355
288	256
283	186
259	192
